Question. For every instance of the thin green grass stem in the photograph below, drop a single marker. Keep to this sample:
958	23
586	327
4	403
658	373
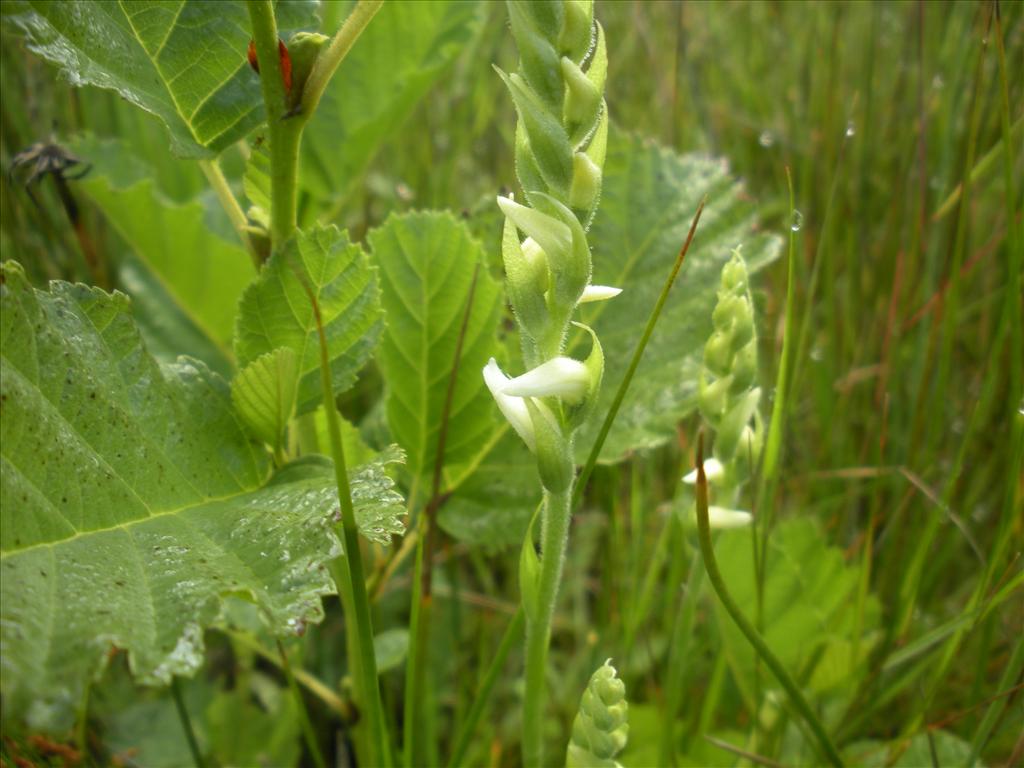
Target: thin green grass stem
707	548
483	694
638	353
307	727
538	628
212	170
335	52
380	751
186	723
329	698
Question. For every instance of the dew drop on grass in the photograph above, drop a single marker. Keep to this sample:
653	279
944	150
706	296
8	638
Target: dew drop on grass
766	139
797	221
851	129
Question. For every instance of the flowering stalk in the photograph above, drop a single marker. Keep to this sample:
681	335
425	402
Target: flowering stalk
560	148
729	396
600	729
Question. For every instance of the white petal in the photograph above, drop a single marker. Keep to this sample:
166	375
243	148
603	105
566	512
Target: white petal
722	519
713	470
512	408
559	377
598	293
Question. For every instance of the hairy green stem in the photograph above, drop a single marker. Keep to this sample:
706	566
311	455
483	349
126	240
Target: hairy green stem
329	59
211	169
284	134
707	549
186	723
538	628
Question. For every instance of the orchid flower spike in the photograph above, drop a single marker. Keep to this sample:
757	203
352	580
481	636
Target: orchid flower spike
558	377
713	470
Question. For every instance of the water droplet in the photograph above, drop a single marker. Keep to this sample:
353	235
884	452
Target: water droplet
797	221
766	139
851	129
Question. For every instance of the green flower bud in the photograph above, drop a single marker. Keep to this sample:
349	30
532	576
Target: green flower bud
553	236
545	135
577	29
713	399
526	272
718	353
535	26
733	423
303	49
586	184
570	269
581	103
600	730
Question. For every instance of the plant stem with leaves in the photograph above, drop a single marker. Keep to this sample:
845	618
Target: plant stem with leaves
560	149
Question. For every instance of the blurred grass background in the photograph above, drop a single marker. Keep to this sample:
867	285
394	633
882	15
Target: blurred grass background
905	406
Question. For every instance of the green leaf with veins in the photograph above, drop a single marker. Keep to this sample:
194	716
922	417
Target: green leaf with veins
648	199
493	507
399	57
426	263
276	311
203	272
132	502
808	593
182	60
264	394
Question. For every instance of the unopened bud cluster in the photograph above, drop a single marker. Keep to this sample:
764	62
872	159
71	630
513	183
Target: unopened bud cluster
600	729
560	149
729	397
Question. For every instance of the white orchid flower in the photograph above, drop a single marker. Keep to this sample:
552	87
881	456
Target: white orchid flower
723	519
512	408
713	470
558	377
598	293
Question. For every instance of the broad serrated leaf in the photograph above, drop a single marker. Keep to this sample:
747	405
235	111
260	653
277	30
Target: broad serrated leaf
264	394
165	327
395	62
649	197
378	506
426	263
203	272
182	60
132	502
493	507
808	594
276	310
